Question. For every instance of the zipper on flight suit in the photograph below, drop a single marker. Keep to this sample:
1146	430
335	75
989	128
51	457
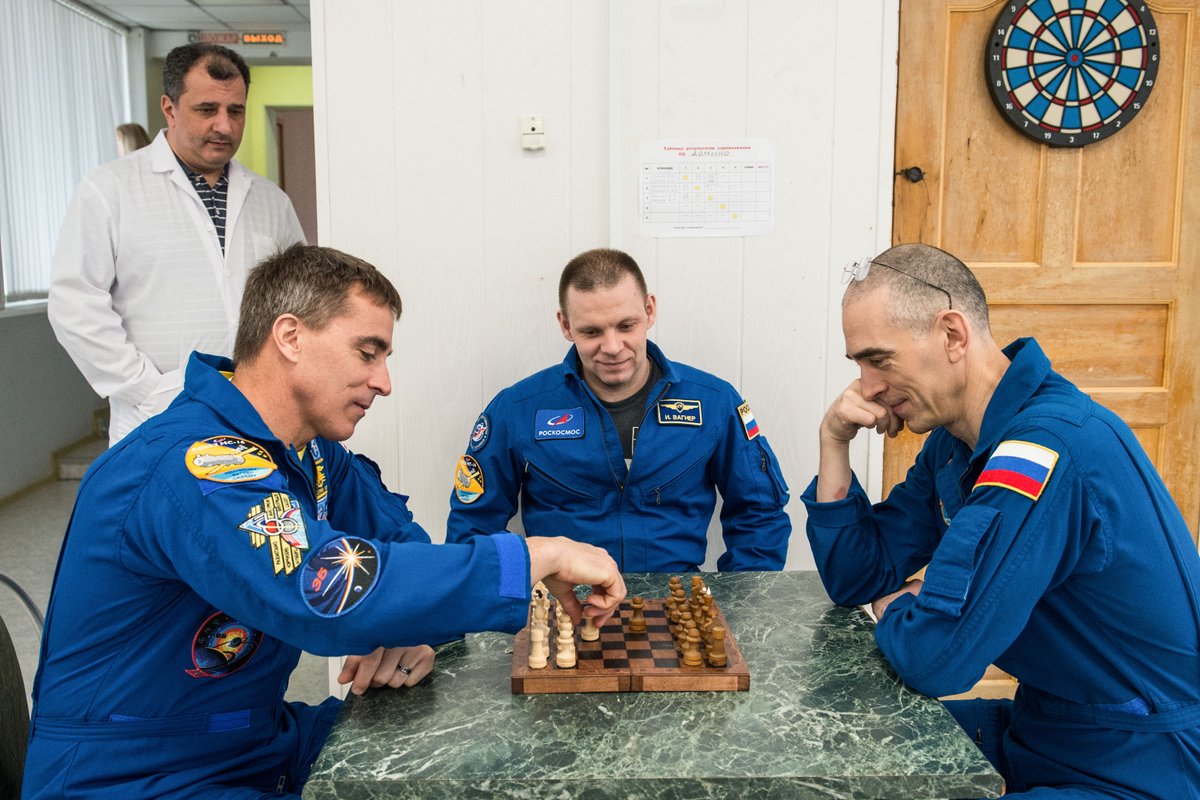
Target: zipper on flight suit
658	489
619	483
645	414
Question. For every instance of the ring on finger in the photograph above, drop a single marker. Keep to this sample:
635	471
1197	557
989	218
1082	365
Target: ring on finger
405	670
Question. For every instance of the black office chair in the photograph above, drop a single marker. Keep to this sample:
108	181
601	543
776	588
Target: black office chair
14	718
14	708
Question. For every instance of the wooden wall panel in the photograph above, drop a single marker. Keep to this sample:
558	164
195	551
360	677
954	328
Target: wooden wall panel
1130	189
1093	345
974	226
1151	440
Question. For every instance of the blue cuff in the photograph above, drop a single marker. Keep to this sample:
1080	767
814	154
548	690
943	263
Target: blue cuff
837	513
514	565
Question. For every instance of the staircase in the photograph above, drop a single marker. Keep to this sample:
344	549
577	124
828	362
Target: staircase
71	462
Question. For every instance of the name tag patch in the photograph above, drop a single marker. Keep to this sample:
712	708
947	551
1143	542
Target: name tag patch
1023	467
558	423
680	412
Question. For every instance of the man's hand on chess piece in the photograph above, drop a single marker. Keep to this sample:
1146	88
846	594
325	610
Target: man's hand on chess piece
563	564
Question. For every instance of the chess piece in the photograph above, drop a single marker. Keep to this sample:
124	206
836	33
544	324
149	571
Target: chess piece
565	658
538	649
537	614
637	623
685	619
681	602
589	632
716	651
708	616
691	652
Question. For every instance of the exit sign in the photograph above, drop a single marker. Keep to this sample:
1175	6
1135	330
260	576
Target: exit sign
262	38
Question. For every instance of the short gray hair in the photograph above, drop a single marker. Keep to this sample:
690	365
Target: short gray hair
923	280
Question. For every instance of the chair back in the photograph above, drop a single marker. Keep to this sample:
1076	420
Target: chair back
14	718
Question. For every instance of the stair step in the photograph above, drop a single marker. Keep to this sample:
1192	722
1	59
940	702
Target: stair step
75	462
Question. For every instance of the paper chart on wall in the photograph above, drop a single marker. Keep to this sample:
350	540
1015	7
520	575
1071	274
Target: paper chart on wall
707	187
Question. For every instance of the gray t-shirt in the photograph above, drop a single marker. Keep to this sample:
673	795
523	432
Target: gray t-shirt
627	414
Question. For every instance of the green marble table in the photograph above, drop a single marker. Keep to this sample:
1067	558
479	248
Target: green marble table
825	717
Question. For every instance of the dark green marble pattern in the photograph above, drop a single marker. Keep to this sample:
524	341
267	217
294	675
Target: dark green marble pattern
825	717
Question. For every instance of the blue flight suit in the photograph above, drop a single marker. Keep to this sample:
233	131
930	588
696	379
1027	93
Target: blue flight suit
1079	579
697	437
202	555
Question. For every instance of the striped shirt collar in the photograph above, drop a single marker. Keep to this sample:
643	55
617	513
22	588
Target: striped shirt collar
215	198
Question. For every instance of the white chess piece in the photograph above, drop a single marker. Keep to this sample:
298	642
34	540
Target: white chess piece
538	649
566	644
589	632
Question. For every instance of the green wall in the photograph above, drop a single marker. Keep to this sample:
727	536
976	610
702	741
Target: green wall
288	87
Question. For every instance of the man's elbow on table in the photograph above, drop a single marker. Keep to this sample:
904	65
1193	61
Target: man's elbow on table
930	663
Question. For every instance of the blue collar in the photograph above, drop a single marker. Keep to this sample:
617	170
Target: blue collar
205	384
669	373
1021	380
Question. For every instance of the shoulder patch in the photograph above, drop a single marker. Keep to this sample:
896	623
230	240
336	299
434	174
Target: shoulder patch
468	480
558	423
1023	467
480	433
749	424
228	459
339	576
680	412
278	521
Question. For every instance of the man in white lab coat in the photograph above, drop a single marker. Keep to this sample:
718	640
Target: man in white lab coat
155	247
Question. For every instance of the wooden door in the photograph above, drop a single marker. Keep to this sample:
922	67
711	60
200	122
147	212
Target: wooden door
1094	251
296	148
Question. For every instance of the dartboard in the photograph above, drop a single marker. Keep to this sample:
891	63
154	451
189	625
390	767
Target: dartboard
1072	72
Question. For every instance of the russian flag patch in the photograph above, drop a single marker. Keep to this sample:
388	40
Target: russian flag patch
1023	467
749	424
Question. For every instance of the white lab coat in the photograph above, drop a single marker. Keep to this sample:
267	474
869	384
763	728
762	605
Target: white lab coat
139	281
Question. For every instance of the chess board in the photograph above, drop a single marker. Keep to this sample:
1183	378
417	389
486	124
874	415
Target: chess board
622	661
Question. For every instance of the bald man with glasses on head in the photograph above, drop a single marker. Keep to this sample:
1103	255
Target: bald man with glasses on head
1052	547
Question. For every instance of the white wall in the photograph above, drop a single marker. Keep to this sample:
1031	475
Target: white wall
420	171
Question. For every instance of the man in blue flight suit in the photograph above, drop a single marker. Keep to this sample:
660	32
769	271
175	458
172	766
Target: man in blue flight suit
1053	548
222	536
621	448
